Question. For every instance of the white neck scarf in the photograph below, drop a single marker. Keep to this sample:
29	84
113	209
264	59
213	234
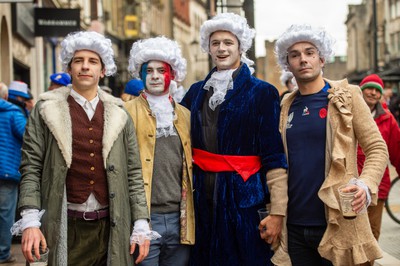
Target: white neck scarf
162	109
221	81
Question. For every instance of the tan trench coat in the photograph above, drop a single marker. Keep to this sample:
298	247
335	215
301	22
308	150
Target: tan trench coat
345	242
145	125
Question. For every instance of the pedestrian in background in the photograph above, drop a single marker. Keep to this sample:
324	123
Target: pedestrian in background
372	90
12	126
3	91
133	88
321	124
18	94
58	80
81	168
239	160
163	131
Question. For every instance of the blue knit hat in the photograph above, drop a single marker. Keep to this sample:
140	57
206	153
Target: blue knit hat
134	87
61	78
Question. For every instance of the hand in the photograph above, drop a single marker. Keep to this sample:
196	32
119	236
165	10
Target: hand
32	238
273	226
143	251
360	199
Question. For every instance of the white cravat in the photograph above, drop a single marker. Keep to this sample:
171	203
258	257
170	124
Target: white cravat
162	109
221	82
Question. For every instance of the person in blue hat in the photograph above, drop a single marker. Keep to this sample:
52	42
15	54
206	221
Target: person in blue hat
132	89
18	94
12	121
59	80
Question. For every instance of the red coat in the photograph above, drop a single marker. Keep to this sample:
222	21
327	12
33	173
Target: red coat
391	134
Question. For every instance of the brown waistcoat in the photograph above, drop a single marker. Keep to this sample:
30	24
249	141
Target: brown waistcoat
87	174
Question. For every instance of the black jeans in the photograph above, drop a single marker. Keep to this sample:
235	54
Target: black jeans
303	244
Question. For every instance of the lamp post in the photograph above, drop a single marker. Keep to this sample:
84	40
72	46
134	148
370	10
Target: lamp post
375	35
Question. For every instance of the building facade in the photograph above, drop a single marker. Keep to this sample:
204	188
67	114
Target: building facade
32	58
373	33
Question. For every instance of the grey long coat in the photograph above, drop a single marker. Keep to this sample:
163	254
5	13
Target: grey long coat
47	155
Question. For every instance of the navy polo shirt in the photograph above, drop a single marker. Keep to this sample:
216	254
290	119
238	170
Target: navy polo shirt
306	140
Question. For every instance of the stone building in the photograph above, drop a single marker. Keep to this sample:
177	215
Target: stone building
373	33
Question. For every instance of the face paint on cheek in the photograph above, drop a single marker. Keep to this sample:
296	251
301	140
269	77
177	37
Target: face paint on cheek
143	73
167	76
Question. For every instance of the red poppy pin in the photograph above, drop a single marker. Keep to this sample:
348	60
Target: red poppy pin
322	112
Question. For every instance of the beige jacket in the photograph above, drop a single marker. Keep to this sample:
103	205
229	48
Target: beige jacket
145	125
345	242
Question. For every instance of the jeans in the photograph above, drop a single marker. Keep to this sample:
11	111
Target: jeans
167	250
8	203
303	242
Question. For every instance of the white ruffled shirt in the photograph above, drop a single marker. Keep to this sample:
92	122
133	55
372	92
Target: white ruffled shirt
221	82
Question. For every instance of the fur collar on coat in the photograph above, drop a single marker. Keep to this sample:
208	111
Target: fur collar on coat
54	108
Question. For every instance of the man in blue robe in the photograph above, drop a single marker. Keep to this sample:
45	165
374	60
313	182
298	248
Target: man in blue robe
238	154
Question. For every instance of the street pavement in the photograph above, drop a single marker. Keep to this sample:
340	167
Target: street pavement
389	239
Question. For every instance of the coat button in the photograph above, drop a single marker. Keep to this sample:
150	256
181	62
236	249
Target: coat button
113	223
111	168
112	195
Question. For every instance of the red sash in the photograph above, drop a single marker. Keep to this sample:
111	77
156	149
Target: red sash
245	166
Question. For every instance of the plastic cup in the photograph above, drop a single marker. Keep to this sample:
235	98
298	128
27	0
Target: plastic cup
346	198
262	213
44	257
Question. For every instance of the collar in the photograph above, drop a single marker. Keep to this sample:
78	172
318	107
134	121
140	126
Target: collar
82	100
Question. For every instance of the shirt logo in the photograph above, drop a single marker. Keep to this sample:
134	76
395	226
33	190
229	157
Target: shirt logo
290	118
306	111
323	112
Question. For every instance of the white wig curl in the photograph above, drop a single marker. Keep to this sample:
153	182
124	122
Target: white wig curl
160	49
285	76
88	40
303	33
233	23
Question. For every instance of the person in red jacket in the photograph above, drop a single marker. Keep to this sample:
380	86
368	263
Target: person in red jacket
372	89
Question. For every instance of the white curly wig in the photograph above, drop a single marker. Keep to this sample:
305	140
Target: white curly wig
285	76
160	49
233	23
88	40
303	33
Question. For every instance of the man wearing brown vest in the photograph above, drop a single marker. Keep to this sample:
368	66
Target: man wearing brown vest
81	167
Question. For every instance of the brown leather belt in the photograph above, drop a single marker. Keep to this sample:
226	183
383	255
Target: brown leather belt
89	216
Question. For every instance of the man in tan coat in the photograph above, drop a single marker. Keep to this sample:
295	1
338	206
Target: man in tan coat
321	124
163	130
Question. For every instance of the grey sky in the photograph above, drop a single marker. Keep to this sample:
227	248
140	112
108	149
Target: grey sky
273	17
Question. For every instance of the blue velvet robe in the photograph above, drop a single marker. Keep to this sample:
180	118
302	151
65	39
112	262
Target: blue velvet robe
248	123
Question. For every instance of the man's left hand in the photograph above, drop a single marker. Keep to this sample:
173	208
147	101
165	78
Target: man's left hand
143	251
270	228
